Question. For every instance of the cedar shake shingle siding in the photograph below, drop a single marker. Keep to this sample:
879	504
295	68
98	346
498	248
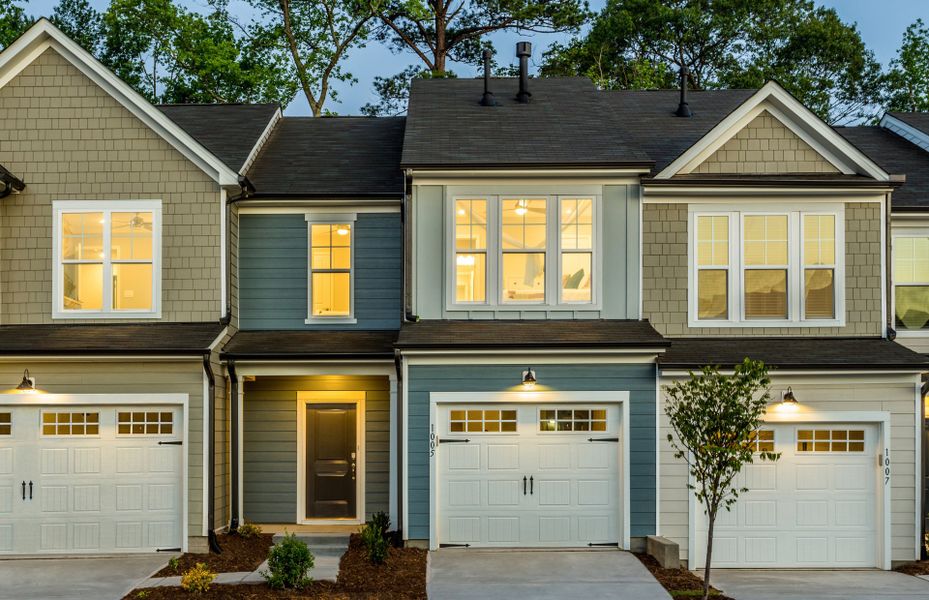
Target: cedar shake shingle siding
70	140
664	280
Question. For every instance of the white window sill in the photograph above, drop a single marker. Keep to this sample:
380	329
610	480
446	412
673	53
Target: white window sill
766	324
105	315
522	307
330	321
912	333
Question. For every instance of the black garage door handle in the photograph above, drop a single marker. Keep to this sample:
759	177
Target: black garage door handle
30	490
24	490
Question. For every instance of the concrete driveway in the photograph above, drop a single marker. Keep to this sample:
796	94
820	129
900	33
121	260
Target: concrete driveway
822	585
539	575
76	578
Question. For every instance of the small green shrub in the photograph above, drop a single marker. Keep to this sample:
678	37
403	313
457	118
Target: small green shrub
198	579
375	538
248	530
141	594
174	563
288	563
381	521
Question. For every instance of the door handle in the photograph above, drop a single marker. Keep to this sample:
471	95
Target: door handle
24	490
30	490
524	485
353	469
531	485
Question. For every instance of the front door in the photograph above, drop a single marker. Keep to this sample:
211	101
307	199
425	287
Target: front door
331	459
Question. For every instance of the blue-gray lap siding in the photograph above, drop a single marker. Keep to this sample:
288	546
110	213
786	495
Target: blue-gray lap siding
638	379
273	263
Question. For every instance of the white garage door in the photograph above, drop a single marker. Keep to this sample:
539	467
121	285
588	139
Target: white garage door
529	475
90	479
815	507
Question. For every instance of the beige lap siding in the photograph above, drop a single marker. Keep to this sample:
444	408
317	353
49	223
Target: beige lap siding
69	140
664	275
152	377
894	394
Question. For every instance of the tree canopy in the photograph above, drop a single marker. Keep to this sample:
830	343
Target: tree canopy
908	79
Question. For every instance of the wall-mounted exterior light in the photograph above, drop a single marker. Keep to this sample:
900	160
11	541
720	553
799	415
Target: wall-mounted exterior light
27	385
529	379
787	397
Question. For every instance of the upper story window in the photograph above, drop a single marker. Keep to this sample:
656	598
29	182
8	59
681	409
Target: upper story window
911	281
331	262
532	251
107	259
766	268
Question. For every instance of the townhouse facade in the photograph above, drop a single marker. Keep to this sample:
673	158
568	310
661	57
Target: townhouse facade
463	317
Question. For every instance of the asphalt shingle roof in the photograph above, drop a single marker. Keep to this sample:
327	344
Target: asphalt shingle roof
311	344
919	120
540	333
565	124
119	339
794	353
897	156
229	131
331	157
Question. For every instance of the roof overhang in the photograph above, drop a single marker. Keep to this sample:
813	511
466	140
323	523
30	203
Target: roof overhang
10	182
906	131
43	35
795	116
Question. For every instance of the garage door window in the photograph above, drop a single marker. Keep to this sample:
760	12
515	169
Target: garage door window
6	425
482	421
762	440
70	423
145	423
584	419
830	440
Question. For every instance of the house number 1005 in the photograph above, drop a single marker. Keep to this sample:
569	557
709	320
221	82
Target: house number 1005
432	440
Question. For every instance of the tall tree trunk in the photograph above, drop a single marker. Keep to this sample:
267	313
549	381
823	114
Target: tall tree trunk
711	516
440	25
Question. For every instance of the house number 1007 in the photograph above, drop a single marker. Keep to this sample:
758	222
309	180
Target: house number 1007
885	462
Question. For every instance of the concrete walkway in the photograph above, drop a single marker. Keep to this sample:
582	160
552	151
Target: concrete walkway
327	551
825	585
540	575
76	578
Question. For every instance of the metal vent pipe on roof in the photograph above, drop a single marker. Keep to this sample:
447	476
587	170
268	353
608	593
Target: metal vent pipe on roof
523	51
683	108
488	98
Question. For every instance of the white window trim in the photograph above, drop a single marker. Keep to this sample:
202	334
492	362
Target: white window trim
903	232
553	250
795	269
108	207
330	219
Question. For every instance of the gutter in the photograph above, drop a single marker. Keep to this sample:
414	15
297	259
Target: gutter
211	464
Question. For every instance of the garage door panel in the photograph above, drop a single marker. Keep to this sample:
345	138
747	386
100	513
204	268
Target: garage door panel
6	461
502	493
464	493
503	530
812	513
502	457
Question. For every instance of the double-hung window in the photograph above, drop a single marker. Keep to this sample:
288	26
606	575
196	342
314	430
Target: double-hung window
911	280
107	259
528	251
758	267
330	268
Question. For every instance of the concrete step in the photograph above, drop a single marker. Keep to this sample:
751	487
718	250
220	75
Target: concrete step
332	545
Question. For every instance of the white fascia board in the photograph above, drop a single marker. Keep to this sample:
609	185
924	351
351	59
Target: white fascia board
260	142
44	35
794	115
911	134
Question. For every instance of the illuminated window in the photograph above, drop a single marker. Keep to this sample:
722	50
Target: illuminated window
70	423
830	440
6	423
766	260
713	267
576	419
145	423
330	270
523	246
471	250
107	258
911	281
482	421
762	440
577	249
819	266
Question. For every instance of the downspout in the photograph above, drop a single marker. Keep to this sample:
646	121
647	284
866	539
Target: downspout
211	463
891	333
234	445
405	221
924	391
247	190
398	363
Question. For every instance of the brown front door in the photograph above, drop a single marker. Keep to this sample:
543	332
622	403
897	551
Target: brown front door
330	461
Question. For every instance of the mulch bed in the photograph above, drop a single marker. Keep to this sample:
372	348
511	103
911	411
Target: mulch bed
919	567
401	577
239	554
680	583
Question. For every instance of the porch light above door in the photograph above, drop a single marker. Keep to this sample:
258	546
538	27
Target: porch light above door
529	379
27	385
788	397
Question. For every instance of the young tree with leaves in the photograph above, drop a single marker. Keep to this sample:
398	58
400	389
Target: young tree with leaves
715	418
13	22
908	79
80	22
438	32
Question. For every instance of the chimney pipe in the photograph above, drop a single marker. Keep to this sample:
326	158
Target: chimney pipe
683	109
488	98
523	51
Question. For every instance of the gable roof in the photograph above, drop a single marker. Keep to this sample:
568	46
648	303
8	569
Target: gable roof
229	131
774	99
898	156
566	123
917	120
43	35
326	157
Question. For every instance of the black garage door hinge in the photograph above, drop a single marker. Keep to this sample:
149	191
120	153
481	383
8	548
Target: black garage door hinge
616	439
604	545
454	545
167	550
174	443
453	441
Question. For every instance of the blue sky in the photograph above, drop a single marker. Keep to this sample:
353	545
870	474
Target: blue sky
881	25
